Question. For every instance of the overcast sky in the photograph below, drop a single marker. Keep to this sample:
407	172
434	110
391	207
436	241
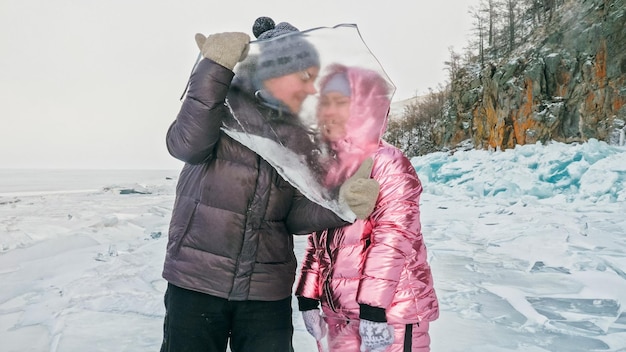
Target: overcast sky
95	84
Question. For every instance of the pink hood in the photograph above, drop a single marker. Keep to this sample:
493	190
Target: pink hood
369	106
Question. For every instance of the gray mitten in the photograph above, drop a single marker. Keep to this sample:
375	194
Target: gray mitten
360	191
375	336
314	323
227	49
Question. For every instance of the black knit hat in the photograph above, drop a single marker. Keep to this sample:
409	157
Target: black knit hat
283	50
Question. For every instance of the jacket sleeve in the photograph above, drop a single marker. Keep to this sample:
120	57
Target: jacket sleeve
308	283
396	229
306	216
193	135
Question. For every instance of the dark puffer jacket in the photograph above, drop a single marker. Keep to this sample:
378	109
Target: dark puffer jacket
230	232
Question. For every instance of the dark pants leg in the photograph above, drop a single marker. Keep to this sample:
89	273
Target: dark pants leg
262	326
194	322
197	322
408	337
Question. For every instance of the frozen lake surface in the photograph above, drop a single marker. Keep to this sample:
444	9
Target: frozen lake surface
527	246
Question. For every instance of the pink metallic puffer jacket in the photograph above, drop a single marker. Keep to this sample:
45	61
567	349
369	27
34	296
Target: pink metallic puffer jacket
380	261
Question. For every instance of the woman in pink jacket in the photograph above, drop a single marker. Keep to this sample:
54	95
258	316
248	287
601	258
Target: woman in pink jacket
371	277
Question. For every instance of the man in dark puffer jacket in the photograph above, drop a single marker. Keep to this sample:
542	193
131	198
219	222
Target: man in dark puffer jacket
230	264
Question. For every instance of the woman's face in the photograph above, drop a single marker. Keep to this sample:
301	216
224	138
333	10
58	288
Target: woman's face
333	114
294	88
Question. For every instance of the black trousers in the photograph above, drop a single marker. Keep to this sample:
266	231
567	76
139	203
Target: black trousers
197	322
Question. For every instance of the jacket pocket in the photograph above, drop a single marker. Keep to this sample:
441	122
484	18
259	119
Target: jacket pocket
186	225
280	198
275	246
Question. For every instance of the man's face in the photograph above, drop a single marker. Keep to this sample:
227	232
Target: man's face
294	88
333	114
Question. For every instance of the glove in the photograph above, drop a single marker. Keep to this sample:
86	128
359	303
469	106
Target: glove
314	323
360	191
227	49
375	337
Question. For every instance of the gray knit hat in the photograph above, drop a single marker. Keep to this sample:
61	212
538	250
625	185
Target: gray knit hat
283	50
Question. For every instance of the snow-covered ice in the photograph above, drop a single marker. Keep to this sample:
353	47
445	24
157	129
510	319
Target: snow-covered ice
527	246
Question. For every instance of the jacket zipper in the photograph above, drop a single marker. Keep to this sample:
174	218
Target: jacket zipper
327	290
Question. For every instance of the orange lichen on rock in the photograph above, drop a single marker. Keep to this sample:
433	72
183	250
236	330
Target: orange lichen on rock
617	84
524	121
491	120
479	130
590	100
600	65
618	103
562	83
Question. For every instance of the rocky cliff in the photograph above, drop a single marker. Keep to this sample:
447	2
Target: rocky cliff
566	83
